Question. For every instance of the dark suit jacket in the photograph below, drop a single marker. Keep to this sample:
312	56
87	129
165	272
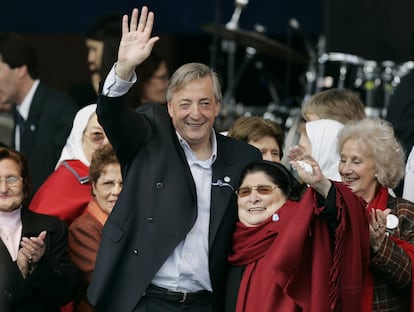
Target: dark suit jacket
46	130
158	206
52	282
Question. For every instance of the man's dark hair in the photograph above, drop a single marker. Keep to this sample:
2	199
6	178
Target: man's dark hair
16	52
107	29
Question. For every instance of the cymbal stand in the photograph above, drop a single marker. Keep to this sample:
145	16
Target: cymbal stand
249	58
387	87
230	46
312	71
232	84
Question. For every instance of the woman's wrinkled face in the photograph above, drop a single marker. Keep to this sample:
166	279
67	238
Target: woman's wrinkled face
93	137
11	186
268	147
258	199
108	187
357	170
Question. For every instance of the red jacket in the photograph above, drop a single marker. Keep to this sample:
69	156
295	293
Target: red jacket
66	192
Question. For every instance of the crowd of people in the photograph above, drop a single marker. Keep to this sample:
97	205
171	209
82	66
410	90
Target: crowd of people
132	201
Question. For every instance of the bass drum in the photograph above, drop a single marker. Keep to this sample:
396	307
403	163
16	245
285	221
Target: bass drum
338	70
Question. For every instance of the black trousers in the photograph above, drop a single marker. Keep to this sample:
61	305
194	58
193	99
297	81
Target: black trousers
160	305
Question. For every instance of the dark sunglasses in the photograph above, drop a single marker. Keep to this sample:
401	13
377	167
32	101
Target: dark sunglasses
261	189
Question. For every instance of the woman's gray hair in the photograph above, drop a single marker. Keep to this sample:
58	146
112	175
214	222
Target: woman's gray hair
376	139
189	72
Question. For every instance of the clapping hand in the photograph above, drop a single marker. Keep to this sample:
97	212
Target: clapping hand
136	42
377	227
31	251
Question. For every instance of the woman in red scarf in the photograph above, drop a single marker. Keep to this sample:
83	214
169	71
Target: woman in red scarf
371	163
292	252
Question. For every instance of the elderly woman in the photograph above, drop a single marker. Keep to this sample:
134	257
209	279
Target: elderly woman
66	192
264	134
86	231
296	253
371	162
35	269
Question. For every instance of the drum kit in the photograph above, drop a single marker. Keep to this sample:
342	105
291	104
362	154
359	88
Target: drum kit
373	81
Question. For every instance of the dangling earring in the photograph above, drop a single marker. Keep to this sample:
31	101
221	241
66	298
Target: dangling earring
376	176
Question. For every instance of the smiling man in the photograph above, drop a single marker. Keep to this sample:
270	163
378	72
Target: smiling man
165	244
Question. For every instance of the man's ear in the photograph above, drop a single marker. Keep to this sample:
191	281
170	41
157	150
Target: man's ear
169	106
21	71
218	108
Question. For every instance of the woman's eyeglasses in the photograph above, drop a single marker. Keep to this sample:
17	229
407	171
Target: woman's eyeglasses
11	180
261	189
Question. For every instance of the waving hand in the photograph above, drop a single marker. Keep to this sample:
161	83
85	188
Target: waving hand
136	42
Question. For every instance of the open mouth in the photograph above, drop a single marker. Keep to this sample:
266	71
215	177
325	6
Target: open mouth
349	180
256	209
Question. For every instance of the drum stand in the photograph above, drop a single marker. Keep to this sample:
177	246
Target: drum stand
249	58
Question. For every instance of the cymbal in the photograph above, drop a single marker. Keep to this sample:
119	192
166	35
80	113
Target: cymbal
258	41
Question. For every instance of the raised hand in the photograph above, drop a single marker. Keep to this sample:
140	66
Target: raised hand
308	170
136	42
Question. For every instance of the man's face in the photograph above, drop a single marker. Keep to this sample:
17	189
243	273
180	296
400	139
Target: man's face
95	51
9	82
193	110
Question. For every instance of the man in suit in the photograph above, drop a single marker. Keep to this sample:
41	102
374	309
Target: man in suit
165	244
43	116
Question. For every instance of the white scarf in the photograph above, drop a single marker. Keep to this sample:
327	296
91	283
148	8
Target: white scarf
73	148
323	135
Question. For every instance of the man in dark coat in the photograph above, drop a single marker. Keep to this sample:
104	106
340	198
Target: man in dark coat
43	116
165	244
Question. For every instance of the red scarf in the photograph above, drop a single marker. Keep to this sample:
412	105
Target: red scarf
380	202
286	261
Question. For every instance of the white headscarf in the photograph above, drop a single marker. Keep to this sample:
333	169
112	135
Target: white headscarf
323	135
73	148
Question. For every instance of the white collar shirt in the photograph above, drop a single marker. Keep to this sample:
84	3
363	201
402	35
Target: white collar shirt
187	269
11	230
23	109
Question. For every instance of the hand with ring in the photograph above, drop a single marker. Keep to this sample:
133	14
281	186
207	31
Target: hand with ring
33	247
377	228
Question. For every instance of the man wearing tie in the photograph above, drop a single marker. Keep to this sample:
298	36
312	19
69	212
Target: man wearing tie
43	116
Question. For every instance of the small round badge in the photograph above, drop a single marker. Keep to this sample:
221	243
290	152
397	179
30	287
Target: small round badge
392	221
226	179
275	217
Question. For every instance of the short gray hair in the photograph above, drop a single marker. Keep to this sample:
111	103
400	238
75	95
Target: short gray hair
189	72
376	139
